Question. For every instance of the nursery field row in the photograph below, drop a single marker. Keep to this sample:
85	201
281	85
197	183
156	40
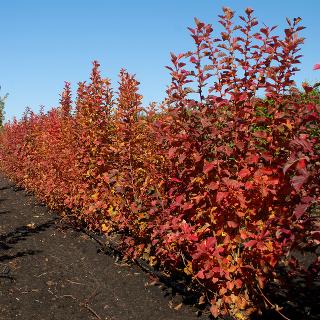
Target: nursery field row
215	184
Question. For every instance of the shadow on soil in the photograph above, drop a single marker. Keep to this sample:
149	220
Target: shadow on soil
7	242
8	257
7	186
21	233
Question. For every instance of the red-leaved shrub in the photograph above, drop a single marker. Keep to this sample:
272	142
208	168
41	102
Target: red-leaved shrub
217	183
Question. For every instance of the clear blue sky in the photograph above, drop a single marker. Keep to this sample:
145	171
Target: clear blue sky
44	43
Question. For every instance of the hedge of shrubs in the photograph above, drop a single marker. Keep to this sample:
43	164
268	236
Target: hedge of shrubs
216	183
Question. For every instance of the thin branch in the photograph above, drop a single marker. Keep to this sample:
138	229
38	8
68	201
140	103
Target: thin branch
273	306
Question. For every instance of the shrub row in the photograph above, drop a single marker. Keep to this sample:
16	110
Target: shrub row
215	183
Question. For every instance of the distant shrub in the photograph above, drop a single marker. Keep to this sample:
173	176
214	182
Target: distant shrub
2	103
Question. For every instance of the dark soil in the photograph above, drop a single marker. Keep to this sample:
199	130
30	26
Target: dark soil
49	270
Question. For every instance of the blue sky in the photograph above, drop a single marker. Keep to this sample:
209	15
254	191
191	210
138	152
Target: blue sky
44	43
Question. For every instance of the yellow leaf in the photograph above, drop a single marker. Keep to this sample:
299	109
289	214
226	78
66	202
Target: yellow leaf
197	180
240	316
153	261
288	125
269	245
112	212
202	300
95	196
104	228
178	307
188	269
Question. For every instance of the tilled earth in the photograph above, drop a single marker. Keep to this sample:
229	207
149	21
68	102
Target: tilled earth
49	272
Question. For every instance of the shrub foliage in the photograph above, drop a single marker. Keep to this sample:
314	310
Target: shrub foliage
215	183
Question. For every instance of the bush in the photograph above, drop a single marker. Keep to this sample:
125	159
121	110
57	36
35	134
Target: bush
216	183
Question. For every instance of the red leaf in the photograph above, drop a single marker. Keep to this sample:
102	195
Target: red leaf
261	245
106	178
252	159
300	209
213	185
231	183
187	206
261	281
193	60
250	243
172	152
244	173
232	224
134	207
243	234
298	181
306	87
179	199
197	157
291	162
243	96
316	66
208	167
301	164
248	185
238	283
214	310
214	280
305	144
193	237
181	158
230	285
221	196
200	274
260	134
